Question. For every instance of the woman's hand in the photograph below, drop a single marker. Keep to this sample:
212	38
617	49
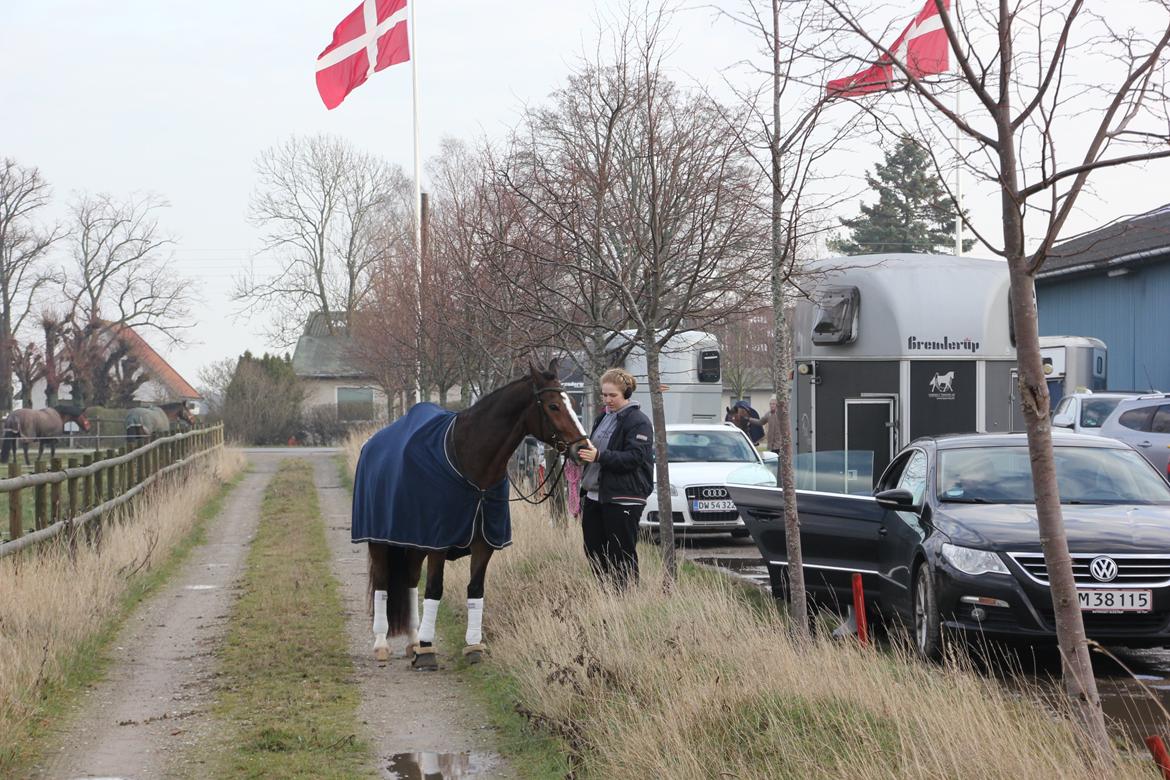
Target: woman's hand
587	453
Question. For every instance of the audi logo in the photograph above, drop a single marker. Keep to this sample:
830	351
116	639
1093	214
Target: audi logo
1103	569
713	492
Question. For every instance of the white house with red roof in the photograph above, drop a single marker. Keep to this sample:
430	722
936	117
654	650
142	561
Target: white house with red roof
163	383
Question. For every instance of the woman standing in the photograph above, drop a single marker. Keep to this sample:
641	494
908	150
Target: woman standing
617	479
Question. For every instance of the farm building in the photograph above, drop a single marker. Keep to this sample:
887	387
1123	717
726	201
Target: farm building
330	378
1114	284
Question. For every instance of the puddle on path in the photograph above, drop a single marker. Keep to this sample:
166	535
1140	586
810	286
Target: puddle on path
438	766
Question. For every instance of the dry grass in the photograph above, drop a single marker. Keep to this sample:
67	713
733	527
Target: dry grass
705	684
55	611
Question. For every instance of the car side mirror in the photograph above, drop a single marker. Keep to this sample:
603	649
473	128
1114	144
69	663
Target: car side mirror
771	457
899	499
1063	420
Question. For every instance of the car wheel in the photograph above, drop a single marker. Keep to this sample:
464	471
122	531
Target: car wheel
927	628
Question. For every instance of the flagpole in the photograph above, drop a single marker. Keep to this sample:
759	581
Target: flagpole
958	177
418	269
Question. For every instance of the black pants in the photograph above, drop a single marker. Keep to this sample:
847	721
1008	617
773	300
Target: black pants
610	532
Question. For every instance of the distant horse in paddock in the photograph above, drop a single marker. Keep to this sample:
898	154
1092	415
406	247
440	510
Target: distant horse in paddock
25	425
146	422
433	487
745	418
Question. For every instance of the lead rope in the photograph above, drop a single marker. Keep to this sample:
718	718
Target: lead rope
548	495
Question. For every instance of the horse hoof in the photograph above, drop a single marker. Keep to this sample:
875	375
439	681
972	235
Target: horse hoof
473	654
382	654
424	659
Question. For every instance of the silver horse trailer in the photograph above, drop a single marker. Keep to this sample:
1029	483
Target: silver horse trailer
689	365
901	346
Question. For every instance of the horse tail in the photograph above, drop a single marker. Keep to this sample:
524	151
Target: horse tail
9	445
388	564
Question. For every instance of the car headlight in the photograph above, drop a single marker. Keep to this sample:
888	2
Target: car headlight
673	489
971	561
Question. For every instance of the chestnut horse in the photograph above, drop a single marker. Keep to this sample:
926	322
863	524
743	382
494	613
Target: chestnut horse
41	425
405	522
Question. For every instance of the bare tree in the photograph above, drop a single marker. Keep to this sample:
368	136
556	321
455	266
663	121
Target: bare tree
677	233
119	277
23	246
745	347
790	137
1059	92
330	213
214	379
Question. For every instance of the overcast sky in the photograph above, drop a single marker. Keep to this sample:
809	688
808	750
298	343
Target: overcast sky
178	98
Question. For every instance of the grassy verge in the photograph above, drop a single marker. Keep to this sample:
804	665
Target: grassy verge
60	618
287	703
708	682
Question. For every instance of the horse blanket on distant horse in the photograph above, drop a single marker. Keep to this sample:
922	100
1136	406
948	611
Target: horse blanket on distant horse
408	491
150	419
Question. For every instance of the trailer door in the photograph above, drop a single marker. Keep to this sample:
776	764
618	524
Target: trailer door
869	441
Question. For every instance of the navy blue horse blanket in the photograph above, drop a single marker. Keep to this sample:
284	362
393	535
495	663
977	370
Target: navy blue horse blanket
407	491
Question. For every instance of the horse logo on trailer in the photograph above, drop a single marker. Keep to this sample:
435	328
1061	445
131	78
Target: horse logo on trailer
942	386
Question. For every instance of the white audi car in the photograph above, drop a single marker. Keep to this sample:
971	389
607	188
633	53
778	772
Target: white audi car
701	458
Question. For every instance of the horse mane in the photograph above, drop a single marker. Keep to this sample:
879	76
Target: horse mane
493	396
71	409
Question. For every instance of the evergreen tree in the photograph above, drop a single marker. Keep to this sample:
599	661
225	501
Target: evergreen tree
912	213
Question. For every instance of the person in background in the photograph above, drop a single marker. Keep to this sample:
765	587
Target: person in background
617	479
772	425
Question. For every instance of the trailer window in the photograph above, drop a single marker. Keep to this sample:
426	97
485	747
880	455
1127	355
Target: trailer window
836	316
709	365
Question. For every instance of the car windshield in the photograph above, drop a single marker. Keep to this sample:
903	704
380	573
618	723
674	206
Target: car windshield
709	447
1095	410
1084	475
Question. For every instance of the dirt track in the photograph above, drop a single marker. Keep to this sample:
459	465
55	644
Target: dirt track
152	704
146	719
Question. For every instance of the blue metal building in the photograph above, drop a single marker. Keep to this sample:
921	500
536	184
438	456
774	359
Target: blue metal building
1114	284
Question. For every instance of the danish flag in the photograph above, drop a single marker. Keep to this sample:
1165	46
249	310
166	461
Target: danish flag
373	37
922	48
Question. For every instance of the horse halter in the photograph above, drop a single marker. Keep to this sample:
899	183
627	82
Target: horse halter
559	443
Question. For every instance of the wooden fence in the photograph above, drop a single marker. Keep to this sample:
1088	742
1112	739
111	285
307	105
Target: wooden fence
93	485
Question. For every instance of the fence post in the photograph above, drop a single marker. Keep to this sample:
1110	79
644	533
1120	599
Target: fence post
55	492
71	490
111	487
39	495
15	518
87	485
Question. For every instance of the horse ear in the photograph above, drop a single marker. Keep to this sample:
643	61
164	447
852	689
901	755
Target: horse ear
553	365
533	372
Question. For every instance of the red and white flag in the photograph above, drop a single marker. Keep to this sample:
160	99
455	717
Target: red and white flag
373	37
922	48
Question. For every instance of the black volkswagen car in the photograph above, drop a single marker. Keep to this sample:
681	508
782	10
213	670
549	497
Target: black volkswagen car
949	539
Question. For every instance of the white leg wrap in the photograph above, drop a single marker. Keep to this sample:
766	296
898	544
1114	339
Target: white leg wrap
474	621
381	624
426	629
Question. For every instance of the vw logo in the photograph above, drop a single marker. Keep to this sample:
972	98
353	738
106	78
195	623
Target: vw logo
713	493
1103	569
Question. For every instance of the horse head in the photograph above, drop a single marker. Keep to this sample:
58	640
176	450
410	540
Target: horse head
552	418
740	417
182	412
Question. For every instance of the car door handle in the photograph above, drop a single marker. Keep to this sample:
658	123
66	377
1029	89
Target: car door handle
1143	444
882	530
